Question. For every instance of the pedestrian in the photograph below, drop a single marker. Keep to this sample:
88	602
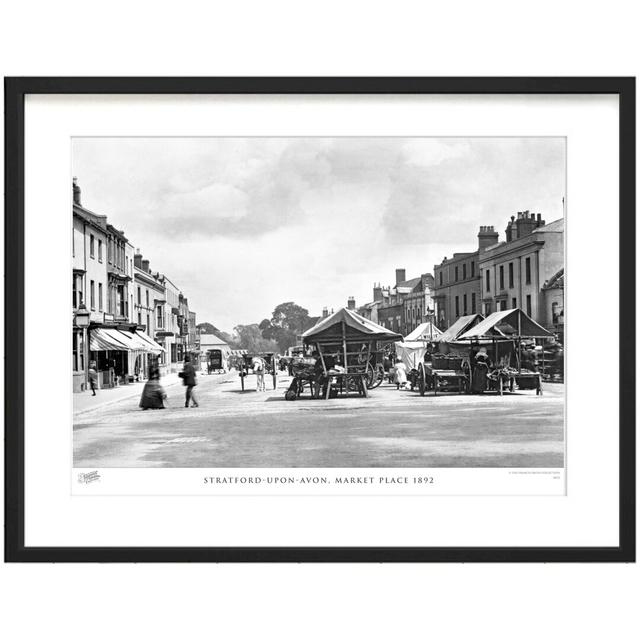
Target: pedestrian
93	377
258	369
400	375
188	375
153	395
480	371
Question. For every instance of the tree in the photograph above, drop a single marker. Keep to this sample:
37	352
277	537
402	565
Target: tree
288	321
206	327
250	338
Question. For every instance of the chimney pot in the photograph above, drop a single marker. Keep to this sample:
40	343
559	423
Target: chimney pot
76	192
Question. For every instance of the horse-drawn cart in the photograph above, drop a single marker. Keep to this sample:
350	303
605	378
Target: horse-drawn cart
249	364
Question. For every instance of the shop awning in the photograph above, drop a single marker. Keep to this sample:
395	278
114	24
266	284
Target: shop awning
108	340
152	345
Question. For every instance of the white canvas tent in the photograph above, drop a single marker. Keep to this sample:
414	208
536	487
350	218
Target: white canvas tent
424	331
411	353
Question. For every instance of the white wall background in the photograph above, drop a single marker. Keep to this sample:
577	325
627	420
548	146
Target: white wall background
328	38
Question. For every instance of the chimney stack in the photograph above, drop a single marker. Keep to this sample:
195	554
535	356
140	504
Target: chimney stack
76	192
526	224
145	265
486	237
401	276
325	312
377	292
137	259
351	303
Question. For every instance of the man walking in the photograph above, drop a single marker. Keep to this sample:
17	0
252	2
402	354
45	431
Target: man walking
188	375
93	377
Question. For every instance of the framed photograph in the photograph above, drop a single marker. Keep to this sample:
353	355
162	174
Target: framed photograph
320	319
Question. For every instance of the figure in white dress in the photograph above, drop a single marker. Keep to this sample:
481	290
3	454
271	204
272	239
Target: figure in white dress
401	375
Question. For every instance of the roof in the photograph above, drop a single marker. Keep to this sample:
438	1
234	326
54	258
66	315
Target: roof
355	328
462	324
510	322
556	225
424	331
211	340
408	284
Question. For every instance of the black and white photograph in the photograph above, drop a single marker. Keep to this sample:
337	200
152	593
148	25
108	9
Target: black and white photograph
318	302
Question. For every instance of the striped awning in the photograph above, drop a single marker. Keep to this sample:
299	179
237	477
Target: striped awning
105	339
108	340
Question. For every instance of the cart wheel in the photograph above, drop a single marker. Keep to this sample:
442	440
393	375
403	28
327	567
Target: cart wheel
290	395
421	379
363	384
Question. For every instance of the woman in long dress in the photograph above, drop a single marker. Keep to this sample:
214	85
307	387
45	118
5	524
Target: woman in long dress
401	375
153	394
480	371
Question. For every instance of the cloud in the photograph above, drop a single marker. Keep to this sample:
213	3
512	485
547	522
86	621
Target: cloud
242	224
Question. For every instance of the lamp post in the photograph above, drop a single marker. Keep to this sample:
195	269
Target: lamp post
81	320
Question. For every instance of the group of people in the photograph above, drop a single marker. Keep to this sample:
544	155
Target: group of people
154	395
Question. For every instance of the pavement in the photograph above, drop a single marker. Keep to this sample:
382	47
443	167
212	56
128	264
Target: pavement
390	428
85	401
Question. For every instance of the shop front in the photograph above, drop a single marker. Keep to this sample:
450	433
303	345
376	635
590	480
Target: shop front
121	355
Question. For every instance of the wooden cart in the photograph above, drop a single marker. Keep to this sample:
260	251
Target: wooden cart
346	344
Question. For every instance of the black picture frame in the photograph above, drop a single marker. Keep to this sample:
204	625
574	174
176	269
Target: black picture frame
15	91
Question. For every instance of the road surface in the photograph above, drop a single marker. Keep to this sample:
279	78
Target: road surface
390	428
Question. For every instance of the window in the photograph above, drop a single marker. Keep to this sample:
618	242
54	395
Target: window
464	271
440	274
93	295
464	304
99	296
77	291
473	268
487	308
139	297
473	303
503	305
528	305
148	326
159	323
488	279
501	277
511	275
147	297
92	242
527	270
139	318
457	307
455	272
514	303
99	250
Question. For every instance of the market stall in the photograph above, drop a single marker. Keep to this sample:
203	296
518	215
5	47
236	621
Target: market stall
345	342
504	340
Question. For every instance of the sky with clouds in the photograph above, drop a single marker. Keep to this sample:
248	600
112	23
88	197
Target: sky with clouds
242	224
